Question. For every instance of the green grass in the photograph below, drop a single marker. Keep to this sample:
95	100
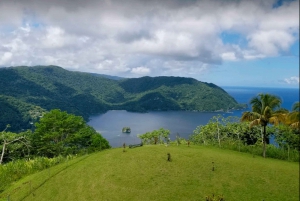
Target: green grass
17	169
144	173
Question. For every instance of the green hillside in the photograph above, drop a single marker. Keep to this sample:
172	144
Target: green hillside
145	174
84	94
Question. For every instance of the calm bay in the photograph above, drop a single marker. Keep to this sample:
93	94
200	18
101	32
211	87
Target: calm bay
183	123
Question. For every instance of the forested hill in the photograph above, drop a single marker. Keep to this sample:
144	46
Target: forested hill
27	92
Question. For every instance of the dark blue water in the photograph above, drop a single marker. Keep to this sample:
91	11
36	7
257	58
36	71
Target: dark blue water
244	94
183	123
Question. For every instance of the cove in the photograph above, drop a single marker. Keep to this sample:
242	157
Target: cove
183	123
110	124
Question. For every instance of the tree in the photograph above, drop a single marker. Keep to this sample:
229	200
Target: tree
19	140
58	133
155	136
265	110
212	133
287	136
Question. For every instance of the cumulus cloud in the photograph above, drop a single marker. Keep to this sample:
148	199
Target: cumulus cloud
270	43
292	80
5	58
142	70
167	36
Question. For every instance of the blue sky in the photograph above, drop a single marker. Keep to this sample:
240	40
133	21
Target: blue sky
267	72
229	43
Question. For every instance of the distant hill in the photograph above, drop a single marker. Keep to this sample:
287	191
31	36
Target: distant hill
108	76
27	92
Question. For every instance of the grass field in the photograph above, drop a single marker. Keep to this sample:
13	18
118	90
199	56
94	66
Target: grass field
144	173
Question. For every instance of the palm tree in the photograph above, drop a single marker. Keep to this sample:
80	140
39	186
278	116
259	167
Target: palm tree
265	110
292	118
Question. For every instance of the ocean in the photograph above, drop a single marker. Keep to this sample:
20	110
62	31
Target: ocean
244	94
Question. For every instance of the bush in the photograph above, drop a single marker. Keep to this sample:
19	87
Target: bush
15	170
256	149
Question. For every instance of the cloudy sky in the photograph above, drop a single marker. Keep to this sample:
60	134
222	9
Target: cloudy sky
229	43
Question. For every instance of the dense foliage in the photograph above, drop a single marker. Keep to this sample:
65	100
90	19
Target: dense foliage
250	136
159	136
60	133
19	114
14	146
42	88
222	130
57	133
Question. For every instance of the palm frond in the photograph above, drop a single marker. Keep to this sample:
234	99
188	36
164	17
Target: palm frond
296	107
256	104
295	125
256	122
281	111
267	112
250	116
275	120
270	100
275	102
264	110
293	117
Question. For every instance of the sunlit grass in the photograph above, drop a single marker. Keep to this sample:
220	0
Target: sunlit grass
144	173
17	169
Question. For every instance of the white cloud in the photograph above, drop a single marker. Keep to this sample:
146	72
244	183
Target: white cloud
6	57
270	43
54	38
142	70
229	56
292	80
169	37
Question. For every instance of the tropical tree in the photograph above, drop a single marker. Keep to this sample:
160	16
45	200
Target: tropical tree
287	134
265	109
13	145
165	134
60	133
220	129
287	137
155	136
211	133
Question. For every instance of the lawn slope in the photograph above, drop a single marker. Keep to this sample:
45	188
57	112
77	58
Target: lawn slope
143	173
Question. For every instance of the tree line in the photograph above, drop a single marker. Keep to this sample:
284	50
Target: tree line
255	127
56	133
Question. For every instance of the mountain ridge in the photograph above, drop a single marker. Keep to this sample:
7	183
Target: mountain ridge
81	93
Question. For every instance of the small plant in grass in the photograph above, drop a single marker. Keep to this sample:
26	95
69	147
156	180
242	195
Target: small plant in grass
169	157
213	198
124	147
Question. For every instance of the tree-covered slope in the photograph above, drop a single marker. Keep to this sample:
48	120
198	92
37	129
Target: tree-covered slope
53	87
84	94
19	114
177	93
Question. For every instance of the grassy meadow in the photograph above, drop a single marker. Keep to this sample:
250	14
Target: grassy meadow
143	173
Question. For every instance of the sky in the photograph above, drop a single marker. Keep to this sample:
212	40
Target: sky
225	42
